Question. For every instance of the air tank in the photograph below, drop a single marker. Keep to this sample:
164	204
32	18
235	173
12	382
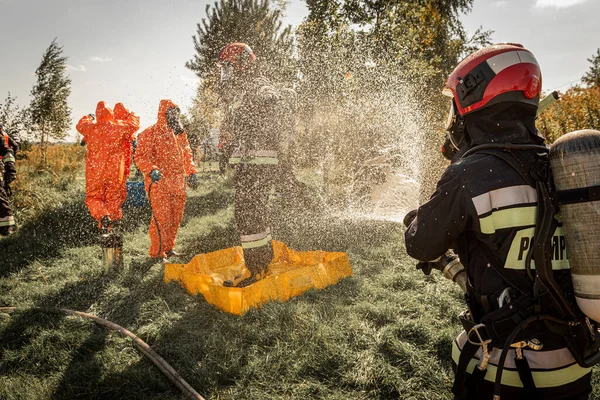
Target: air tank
575	162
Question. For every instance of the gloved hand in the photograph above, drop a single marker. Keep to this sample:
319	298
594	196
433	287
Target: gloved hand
426	266
409	218
439	263
155	175
93	116
192	181
10	172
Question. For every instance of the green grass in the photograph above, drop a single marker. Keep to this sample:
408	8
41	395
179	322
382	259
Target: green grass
384	333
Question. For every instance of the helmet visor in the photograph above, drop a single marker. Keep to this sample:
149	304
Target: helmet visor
451	119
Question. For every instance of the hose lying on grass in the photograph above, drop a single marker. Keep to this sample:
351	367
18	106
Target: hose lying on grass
160	362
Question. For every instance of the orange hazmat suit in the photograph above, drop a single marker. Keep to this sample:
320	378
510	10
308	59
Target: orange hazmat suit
159	148
108	158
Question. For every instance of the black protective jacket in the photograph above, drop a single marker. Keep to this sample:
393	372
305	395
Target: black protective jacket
11	148
13	145
253	122
486	211
7	156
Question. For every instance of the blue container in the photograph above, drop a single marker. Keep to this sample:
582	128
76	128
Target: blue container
136	195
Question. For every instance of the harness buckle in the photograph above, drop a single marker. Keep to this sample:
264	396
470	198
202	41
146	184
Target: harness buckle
481	340
533	344
484	346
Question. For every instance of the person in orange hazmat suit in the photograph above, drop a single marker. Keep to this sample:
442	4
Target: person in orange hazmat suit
164	156
108	160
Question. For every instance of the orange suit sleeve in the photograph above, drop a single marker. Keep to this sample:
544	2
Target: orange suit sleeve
188	156
85	126
129	120
144	154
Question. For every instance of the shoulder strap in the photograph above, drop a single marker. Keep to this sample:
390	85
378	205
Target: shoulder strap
539	176
524	285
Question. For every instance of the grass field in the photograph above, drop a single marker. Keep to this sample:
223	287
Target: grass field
384	333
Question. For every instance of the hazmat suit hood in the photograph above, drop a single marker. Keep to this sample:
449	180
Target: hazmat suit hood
121	112
163	107
104	114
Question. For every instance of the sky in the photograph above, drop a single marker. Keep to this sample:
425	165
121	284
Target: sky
135	51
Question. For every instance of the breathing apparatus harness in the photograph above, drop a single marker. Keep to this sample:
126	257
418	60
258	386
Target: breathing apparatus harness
529	302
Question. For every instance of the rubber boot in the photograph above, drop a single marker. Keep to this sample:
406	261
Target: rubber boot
247	278
111	242
7	230
173	253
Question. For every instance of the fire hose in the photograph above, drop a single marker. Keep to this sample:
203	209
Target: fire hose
146	350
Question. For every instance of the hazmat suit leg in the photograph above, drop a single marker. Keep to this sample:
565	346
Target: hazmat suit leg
253	188
167	210
116	193
95	199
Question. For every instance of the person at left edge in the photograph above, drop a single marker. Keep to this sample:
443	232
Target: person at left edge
109	140
164	156
8	149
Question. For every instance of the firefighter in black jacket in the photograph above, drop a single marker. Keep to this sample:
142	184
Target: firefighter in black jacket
251	119
485	210
8	149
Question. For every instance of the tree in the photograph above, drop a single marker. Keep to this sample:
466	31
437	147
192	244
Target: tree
13	119
257	23
427	29
50	113
371	74
204	113
578	108
592	76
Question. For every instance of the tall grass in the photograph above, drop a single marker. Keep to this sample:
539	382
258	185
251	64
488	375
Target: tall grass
384	333
40	188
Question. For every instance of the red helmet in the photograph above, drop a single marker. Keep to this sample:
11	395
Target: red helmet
235	56
505	72
495	74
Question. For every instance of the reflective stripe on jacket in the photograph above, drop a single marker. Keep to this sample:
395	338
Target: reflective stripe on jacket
549	369
7	221
258	157
256	240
